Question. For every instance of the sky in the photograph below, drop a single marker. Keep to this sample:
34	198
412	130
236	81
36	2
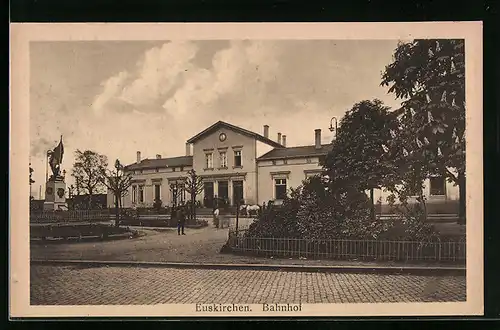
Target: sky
117	98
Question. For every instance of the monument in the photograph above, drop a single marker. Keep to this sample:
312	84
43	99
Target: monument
55	188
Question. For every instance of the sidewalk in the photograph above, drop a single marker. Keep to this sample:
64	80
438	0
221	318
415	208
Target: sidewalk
200	248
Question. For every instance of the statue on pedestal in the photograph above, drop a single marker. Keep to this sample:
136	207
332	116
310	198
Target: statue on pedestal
55	161
56	187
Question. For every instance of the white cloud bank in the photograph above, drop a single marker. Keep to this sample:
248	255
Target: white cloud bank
293	86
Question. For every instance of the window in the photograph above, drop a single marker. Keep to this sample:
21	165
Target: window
208	192
285	161
237	158
134	194
209	161
308	160
223	190
141	194
237	191
280	188
157	191
437	186
223	159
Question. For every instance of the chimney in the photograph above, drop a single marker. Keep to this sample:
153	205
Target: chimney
138	157
266	131
317	140
283	140
158	156
279	138
188	149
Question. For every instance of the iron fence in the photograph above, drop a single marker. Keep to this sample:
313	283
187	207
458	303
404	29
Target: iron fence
343	249
38	216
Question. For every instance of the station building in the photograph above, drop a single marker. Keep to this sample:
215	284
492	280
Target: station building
238	164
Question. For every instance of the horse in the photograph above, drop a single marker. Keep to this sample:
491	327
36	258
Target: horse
250	209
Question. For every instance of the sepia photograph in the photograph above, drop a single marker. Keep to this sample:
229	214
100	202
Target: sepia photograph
226	175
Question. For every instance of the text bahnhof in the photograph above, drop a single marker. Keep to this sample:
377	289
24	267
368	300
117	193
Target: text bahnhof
228	308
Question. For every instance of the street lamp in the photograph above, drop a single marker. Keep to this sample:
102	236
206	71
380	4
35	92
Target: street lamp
333	128
31	180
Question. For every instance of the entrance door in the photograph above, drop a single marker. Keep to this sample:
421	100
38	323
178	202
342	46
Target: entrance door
208	191
237	192
223	191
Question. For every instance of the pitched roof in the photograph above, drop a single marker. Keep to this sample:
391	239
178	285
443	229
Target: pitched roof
162	162
243	131
296	152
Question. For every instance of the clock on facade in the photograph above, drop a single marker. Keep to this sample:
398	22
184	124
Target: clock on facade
222	137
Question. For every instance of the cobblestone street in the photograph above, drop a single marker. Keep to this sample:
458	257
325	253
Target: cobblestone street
70	285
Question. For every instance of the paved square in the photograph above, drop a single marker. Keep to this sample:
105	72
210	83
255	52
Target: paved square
71	285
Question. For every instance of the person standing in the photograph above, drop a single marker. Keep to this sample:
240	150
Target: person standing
216	218
181	221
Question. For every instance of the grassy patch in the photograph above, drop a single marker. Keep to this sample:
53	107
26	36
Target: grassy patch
79	231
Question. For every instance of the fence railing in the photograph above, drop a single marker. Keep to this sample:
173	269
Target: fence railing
44	216
38	216
341	249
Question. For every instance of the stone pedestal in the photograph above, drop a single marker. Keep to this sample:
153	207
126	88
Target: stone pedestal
55	195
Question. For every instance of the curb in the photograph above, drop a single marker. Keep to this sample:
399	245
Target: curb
406	270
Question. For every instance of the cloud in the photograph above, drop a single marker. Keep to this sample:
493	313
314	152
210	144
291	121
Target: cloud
174	90
111	88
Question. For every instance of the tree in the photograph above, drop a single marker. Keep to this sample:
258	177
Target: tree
118	181
71	191
88	171
193	186
429	77
355	159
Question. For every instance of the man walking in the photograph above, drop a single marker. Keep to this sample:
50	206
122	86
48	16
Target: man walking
181	220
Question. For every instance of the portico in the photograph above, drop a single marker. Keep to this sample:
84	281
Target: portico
229	187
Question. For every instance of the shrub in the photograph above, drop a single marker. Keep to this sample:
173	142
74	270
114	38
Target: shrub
277	221
313	212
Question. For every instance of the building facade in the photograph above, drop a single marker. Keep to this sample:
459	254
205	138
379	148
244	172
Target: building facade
238	164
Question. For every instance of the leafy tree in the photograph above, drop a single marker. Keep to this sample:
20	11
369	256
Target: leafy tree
88	171
193	186
355	159
429	77
118	181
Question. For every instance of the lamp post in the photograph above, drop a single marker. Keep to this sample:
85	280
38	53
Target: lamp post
31	180
333	126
